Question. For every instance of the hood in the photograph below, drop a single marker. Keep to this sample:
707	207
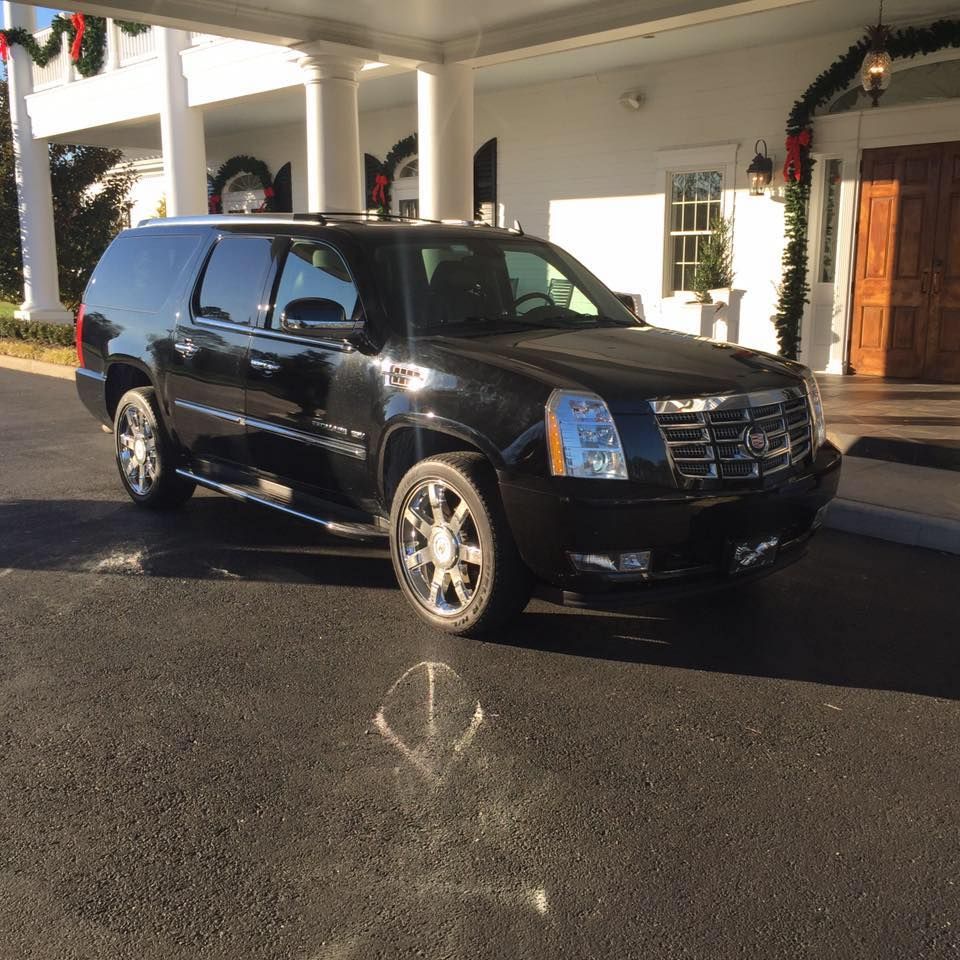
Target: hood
629	366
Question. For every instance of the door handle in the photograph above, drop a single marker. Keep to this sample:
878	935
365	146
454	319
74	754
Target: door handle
923	281
936	281
186	348
266	367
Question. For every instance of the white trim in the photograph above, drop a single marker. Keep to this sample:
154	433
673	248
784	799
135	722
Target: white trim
712	156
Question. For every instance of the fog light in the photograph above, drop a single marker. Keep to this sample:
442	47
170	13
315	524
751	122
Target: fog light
635	561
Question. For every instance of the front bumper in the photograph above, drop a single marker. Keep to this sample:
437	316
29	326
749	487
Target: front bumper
688	533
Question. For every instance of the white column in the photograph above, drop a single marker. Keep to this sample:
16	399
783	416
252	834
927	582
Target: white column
334	182
445	140
41	288
181	131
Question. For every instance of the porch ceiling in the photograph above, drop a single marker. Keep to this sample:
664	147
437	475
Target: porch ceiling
583	36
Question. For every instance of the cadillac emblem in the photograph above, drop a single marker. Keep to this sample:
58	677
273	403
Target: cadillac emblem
755	440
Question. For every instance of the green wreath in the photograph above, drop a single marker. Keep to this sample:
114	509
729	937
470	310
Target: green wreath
88	55
384	175
794	287
230	169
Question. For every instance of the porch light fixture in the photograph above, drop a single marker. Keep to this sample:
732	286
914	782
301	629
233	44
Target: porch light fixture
760	170
875	72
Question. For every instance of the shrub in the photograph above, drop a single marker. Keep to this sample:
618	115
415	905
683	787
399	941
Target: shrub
714	260
52	334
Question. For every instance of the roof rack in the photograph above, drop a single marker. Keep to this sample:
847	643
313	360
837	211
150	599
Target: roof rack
322	217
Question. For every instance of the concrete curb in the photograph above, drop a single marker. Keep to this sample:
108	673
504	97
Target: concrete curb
897	526
37	366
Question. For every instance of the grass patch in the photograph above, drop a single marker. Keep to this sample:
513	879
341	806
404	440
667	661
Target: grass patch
65	356
7	308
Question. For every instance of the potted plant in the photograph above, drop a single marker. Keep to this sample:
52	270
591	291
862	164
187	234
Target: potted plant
714	274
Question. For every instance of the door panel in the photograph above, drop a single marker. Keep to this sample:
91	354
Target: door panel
897	234
208	371
307	423
942	361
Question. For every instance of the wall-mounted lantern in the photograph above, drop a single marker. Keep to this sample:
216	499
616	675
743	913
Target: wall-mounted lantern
875	72
760	171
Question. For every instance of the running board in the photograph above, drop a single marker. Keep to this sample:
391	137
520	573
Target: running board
341	528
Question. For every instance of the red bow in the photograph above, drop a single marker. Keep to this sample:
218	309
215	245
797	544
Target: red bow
380	189
268	192
794	160
79	25
214	203
4	46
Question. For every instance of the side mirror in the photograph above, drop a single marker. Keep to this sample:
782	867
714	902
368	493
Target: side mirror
315	317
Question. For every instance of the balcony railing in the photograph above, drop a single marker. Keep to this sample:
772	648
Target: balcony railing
121	50
133	49
58	70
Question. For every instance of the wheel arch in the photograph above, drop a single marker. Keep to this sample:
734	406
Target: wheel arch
409	439
122	374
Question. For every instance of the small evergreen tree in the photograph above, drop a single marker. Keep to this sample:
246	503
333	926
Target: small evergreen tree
714	260
90	205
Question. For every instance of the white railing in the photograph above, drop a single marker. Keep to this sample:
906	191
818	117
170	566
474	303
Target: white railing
120	51
133	49
57	70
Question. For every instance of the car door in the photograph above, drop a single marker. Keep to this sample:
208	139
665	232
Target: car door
308	388
211	347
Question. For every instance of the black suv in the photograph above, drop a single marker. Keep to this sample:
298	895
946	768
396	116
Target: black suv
473	394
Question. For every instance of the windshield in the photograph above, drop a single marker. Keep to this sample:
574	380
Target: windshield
468	287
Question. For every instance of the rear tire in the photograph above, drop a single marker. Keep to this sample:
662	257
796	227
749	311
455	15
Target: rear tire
146	456
452	550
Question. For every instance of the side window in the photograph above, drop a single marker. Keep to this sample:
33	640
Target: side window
138	271
233	281
696	201
317	272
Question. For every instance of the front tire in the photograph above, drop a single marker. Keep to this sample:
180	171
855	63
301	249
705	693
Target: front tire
146	456
452	549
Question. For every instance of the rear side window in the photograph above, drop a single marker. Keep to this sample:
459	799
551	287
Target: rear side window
139	271
233	281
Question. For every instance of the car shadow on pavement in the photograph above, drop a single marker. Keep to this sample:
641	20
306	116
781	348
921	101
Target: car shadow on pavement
832	618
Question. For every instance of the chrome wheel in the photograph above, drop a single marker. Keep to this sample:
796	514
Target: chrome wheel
440	550
137	451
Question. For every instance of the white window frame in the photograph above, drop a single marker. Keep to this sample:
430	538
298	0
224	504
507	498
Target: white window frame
719	156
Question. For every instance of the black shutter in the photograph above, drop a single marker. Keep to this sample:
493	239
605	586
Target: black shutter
371	167
485	182
283	190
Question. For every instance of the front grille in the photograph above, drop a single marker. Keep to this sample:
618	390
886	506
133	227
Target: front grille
710	437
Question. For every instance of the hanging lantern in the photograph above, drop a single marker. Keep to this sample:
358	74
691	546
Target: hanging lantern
760	171
875	72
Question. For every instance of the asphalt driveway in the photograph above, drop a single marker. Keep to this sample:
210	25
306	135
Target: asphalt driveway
223	736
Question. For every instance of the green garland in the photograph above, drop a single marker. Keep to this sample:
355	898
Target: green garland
92	46
231	168
388	167
794	288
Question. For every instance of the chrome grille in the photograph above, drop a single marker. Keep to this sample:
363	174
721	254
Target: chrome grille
707	437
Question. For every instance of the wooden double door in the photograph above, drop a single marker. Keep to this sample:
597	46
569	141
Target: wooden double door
906	297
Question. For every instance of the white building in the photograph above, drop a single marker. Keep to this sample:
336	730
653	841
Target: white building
598	112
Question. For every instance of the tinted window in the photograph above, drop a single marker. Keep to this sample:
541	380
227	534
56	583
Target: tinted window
233	281
490	284
139	271
317	271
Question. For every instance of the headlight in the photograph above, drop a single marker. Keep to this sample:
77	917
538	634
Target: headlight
816	410
582	437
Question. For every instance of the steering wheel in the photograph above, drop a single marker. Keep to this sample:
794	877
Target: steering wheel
534	295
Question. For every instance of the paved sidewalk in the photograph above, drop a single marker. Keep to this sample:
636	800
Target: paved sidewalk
917	506
914	423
